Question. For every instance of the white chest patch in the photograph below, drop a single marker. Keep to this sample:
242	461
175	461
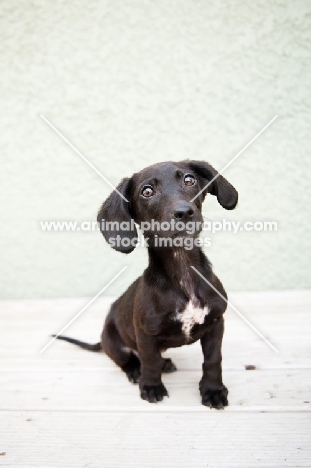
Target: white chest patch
190	316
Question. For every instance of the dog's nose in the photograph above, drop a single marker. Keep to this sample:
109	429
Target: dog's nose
183	212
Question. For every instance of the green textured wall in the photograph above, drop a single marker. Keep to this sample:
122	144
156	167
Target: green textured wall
135	82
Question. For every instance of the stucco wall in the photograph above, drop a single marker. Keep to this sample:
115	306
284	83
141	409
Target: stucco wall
135	82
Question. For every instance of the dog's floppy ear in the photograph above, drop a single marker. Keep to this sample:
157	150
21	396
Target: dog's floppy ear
226	194
115	221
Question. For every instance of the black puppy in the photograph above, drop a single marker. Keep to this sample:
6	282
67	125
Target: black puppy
170	304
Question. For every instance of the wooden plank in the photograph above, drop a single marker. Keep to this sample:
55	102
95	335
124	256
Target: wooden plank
93	389
208	439
29	323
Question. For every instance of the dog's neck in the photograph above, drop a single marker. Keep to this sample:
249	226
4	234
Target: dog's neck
174	265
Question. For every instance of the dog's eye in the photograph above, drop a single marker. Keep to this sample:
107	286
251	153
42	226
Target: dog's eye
189	179
147	191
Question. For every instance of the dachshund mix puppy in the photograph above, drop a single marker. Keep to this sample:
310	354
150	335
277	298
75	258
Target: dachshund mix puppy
170	305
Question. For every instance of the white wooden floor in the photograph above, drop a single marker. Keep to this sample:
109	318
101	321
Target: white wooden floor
71	408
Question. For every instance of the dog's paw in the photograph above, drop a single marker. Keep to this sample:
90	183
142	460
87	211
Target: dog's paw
215	398
168	366
133	375
153	393
132	368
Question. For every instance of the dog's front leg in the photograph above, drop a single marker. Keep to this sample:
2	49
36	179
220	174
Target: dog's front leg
150	383
213	392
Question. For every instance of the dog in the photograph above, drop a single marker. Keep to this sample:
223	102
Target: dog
170	305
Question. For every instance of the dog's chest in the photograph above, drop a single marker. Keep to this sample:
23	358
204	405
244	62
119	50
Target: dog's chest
191	316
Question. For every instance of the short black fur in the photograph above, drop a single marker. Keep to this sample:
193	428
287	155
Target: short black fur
148	318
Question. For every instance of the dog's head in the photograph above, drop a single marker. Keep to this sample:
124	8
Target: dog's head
162	199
